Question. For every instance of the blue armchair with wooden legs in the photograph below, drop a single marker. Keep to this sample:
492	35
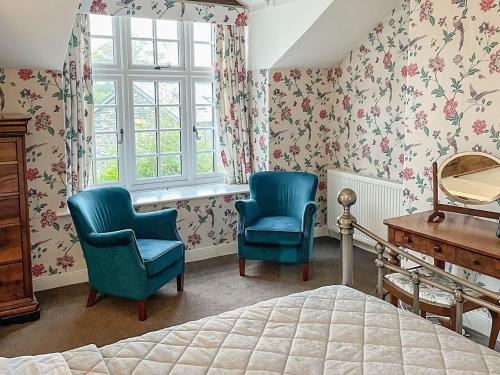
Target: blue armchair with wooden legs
128	254
277	222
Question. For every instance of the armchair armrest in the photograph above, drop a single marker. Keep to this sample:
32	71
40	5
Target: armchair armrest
123	237
308	217
248	209
160	225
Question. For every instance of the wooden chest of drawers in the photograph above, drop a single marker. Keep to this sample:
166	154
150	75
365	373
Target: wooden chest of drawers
17	302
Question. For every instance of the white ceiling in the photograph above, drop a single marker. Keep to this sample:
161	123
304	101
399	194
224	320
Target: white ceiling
312	34
34	33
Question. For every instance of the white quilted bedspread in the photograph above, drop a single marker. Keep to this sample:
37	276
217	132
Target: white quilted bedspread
331	330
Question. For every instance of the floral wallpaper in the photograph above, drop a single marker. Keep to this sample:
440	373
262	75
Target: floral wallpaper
258	85
291	113
369	101
204	222
167	9
39	93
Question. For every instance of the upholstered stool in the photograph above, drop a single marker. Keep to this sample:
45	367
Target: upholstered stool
434	300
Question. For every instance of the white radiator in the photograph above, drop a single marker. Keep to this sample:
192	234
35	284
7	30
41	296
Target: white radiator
377	200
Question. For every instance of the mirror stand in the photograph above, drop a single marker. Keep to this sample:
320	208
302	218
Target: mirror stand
438	215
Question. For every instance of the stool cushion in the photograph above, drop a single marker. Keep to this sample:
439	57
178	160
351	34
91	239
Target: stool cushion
428	293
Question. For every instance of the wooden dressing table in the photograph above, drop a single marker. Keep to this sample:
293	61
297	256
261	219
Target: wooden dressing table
460	239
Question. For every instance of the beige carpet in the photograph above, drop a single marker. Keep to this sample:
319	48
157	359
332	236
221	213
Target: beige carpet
211	287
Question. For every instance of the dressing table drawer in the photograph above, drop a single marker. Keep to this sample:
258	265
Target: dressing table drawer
410	241
476	262
441	250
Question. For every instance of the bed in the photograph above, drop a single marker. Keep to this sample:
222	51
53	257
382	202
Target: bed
331	330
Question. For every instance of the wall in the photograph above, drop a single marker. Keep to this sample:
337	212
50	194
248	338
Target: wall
202	223
369	101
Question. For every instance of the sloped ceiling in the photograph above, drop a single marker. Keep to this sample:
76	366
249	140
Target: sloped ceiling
327	32
35	33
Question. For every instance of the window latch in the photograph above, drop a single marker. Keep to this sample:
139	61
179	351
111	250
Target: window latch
160	67
197	136
120	137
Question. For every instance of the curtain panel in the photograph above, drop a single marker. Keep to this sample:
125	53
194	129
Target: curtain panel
168	10
232	107
78	107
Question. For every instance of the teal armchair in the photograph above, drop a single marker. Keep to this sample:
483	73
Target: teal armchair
277	222
128	254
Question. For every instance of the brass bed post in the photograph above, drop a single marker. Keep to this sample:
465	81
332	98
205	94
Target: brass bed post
345	222
415	279
379	248
459	298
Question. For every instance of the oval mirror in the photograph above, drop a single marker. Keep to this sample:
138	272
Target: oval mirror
471	178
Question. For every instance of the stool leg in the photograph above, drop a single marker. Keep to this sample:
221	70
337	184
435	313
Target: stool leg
495	327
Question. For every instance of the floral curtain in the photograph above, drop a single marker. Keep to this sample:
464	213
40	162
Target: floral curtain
78	107
232	96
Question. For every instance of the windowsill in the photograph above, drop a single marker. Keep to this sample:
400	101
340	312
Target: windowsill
143	198
148	197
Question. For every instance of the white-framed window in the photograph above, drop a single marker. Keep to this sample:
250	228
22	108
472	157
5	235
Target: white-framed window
154	111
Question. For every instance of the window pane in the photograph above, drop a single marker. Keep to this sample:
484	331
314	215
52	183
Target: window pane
203	55
102	51
144	93
106	145
202	32
204	117
168	53
170	165
204	93
104	119
166	29
104	92
101	25
146	167
141	27
170	141
145	143
142	52
169	92
106	171
170	117
144	118
205	141
205	163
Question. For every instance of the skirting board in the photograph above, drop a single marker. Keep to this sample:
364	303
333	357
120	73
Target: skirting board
195	255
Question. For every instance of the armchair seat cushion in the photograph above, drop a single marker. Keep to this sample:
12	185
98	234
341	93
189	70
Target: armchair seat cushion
275	230
159	254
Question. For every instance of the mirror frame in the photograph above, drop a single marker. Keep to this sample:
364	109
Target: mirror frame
457	156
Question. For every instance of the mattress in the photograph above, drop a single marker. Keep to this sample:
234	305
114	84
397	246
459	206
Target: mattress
331	330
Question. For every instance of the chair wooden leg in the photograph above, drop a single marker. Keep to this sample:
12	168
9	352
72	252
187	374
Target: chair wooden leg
91	298
305	271
242	266
495	327
180	282
141	310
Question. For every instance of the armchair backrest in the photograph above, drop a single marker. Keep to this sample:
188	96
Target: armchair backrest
101	210
283	193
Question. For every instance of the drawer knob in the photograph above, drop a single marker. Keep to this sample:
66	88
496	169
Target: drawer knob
437	248
406	239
